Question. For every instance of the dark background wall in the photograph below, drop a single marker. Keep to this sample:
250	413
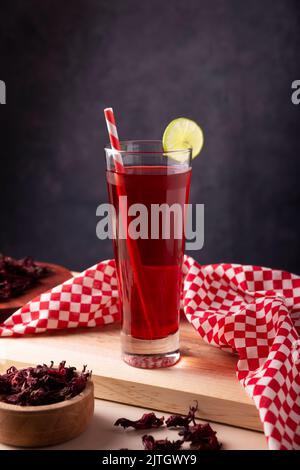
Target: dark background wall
227	64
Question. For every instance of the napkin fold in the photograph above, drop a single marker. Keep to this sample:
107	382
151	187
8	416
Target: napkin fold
248	310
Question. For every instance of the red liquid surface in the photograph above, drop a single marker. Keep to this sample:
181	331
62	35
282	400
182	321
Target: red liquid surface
149	270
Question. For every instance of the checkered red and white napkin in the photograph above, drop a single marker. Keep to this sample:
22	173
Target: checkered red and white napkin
249	310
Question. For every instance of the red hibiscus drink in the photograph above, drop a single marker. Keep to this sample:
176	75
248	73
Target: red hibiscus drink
148	194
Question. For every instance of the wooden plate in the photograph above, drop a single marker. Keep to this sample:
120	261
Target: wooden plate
38	426
59	274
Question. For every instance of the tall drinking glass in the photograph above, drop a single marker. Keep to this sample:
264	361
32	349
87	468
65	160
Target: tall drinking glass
149	196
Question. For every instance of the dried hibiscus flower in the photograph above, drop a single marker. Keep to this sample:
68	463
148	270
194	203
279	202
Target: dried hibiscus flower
176	421
201	437
42	385
161	444
147	421
17	276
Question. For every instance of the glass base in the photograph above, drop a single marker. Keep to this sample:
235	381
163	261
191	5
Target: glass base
155	361
150	354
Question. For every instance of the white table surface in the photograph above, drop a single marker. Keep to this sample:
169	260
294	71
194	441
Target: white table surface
103	435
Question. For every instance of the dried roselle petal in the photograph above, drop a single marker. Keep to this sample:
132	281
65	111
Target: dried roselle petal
42	385
147	421
161	444
20	398
5	386
176	421
17	276
201	437
210	443
19	285
198	431
126	423
148	442
5	289
10	372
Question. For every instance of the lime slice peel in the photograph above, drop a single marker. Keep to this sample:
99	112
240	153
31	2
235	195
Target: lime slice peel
181	134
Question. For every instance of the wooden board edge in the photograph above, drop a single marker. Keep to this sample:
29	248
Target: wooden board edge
174	401
153	397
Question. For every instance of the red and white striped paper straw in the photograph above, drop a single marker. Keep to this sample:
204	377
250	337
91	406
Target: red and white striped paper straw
114	139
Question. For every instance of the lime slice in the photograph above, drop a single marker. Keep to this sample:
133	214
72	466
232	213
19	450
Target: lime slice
183	133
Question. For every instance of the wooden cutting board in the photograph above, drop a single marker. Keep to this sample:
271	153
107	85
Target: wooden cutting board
204	373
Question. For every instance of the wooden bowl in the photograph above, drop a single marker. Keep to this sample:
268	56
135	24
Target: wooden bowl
58	275
37	426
